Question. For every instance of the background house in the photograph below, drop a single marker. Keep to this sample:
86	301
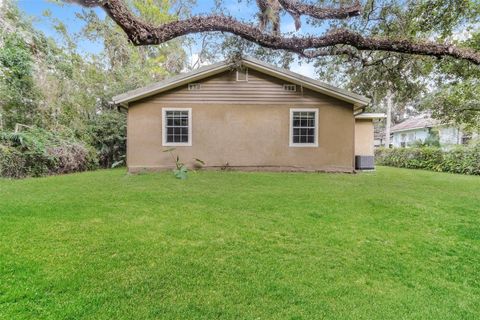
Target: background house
420	128
379	135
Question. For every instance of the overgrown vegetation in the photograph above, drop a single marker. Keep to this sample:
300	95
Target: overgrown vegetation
50	86
36	152
107	133
460	159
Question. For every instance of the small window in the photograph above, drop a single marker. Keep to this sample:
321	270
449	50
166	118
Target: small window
289	87
242	74
177	126
303	127
193	86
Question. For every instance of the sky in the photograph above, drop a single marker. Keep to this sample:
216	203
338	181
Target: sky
66	13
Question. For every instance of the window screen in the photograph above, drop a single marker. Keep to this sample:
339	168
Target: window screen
303	125
177	126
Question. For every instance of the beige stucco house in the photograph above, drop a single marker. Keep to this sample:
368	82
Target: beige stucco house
248	115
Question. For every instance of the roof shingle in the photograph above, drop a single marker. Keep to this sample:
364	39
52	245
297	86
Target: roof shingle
418	122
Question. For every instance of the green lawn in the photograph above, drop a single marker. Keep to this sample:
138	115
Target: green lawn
393	244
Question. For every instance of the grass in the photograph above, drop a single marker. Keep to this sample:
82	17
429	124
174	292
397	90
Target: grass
394	244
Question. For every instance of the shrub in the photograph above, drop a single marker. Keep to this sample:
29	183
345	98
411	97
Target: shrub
37	152
11	162
72	157
461	159
465	160
107	133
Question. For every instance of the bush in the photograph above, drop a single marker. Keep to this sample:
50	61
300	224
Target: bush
107	133
11	162
72	157
465	160
461	159
37	152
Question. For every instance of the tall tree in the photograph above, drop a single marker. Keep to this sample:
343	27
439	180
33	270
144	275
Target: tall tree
82	84
55	84
336	41
18	92
395	81
456	97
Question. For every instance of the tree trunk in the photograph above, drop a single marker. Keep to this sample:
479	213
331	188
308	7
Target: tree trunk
388	125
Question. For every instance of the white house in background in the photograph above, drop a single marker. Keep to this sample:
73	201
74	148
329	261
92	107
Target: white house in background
418	128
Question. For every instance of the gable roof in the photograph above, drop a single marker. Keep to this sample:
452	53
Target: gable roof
203	72
418	122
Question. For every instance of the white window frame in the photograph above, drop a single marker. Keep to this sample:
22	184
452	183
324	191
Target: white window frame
246	75
304	145
164	128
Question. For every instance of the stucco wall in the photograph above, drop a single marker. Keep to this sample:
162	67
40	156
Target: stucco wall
364	137
243	135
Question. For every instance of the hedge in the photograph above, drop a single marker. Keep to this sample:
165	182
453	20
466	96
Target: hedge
461	159
37	152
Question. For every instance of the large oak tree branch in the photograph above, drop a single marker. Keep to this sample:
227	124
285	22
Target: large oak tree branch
319	12
297	9
141	33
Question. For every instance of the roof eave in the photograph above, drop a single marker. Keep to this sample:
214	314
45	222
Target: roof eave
128	97
371	116
410	129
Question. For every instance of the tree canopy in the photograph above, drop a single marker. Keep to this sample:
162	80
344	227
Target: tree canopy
337	40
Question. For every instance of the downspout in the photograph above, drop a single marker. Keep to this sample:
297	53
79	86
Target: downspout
354	147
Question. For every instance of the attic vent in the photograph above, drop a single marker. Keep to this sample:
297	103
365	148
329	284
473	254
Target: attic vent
193	86
242	74
289	87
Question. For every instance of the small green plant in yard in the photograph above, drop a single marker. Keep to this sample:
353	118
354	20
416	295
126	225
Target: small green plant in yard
181	170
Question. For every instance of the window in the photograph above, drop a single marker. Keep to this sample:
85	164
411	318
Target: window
289	87
193	86
177	126
242	74
304	127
